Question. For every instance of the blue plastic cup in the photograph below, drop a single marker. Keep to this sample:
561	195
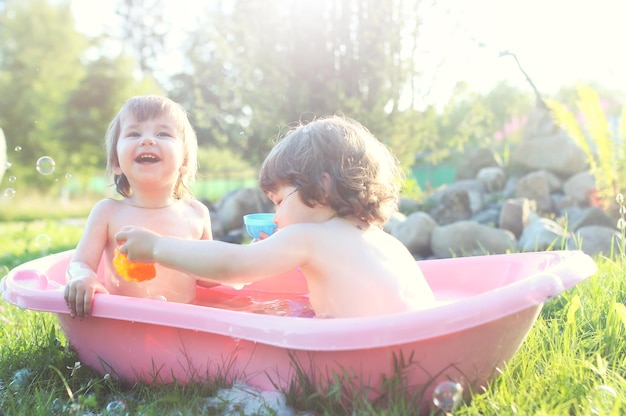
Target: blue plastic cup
258	223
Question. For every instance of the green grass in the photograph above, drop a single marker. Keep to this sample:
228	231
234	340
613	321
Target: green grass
572	363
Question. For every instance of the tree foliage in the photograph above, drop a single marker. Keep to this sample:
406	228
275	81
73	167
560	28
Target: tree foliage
258	65
249	69
143	31
40	64
90	108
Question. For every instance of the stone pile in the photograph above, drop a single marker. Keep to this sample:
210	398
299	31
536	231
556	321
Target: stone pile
543	200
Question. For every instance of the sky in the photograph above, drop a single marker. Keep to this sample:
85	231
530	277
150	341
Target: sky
558	42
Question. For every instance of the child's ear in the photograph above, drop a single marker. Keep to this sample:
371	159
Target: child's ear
326	183
183	169
117	170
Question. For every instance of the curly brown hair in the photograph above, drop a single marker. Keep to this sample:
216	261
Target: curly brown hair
365	177
145	108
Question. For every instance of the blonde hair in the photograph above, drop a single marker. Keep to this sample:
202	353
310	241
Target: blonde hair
144	108
366	177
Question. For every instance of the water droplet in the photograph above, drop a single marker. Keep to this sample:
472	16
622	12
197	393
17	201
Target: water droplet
116	407
447	395
12	179
8	193
42	241
45	165
18	148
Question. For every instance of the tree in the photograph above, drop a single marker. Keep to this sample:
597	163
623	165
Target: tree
39	65
257	65
143	31
91	107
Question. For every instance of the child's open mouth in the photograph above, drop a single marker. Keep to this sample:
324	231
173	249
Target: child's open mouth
147	158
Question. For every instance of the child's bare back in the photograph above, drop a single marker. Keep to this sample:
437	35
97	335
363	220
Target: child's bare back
360	272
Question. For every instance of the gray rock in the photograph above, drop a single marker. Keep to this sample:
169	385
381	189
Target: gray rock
579	187
235	204
596	240
540	123
581	217
474	160
454	205
543	234
415	232
493	178
557	153
536	186
469	238
489	216
515	215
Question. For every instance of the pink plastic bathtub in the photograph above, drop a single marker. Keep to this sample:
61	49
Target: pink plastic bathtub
487	305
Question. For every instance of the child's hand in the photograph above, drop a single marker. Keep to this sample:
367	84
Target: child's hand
79	294
137	243
263	236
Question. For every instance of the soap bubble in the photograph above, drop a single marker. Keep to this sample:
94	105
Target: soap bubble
8	165
68	176
43	241
12	179
603	400
45	165
8	193
57	406
117	408
447	395
20	380
18	148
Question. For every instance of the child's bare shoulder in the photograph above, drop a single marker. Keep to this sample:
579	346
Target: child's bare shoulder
194	208
106	205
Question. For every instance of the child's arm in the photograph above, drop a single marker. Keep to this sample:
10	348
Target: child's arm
207	234
203	212
219	261
82	280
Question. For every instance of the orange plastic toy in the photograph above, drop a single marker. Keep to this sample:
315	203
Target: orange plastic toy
132	271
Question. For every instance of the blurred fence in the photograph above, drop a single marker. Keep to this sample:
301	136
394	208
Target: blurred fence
430	177
212	188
